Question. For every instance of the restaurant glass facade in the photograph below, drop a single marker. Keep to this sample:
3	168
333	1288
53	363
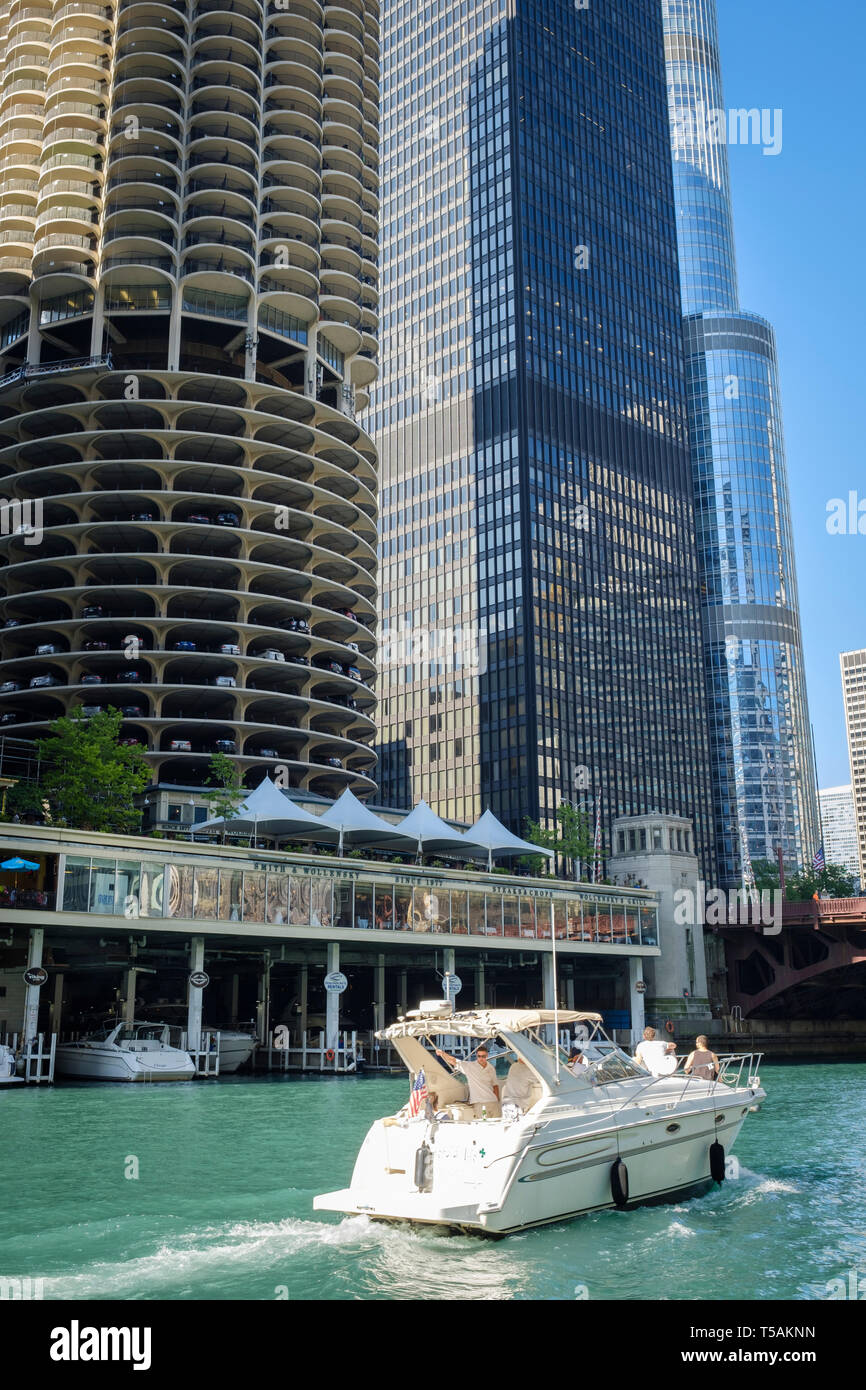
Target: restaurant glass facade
302	897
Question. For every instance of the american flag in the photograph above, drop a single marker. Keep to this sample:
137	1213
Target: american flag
819	863
418	1095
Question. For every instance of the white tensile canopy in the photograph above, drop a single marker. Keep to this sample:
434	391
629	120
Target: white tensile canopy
492	835
353	822
433	834
268	811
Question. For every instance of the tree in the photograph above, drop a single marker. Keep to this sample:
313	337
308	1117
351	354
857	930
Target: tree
833	880
229	791
87	780
766	872
802	884
571	838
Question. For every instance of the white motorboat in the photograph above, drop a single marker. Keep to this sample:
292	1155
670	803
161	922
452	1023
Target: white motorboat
611	1135
235	1048
125	1052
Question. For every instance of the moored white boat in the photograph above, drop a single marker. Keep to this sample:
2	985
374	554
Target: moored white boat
125	1052
613	1135
235	1048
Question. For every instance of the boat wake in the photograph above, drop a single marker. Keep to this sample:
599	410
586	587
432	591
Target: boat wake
193	1257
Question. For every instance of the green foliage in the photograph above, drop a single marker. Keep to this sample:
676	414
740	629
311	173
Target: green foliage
834	880
766	873
228	792
571	839
88	780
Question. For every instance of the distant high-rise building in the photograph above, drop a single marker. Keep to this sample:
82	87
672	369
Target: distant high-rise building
839	824
188	321
761	749
531	419
854	695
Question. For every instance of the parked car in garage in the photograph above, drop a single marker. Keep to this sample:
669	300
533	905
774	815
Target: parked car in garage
40	682
180	745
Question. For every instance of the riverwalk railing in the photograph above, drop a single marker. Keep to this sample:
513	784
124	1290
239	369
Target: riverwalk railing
315	1055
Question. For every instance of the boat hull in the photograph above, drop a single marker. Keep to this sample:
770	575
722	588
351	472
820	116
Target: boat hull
86	1063
490	1180
235	1050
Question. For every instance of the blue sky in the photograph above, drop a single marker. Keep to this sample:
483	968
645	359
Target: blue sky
799	220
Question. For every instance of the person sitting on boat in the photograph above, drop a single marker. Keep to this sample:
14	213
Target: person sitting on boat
519	1083
482	1078
702	1062
577	1063
655	1055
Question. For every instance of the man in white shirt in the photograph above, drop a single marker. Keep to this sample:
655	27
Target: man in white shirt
653	1054
483	1082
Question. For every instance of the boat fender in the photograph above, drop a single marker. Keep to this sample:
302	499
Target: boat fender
717	1161
329	1055
669	1026
424	1169
619	1183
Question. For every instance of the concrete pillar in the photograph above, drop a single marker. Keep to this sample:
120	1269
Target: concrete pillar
379	1019
130	978
303	991
547	993
480	999
195	997
57	1003
636	998
448	967
569	990
233	1004
401	993
332	999
30	1024
263	999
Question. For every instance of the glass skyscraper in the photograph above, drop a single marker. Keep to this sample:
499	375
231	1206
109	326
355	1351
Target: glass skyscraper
763	783
540	620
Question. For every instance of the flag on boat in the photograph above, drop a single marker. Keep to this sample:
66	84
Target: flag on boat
419	1094
819	863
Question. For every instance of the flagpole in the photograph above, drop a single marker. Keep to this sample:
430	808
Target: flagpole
555	993
817	790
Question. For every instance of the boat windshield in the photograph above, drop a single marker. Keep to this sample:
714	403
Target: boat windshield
141	1032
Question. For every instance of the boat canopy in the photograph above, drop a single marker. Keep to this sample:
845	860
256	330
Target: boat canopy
485	1023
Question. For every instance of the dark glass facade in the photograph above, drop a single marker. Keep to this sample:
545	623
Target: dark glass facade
531	418
764	791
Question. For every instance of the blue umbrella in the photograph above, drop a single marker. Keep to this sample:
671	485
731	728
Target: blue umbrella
18	864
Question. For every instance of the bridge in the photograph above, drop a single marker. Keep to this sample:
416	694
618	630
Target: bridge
814	967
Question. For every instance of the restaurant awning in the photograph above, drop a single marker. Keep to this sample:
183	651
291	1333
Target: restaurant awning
434	835
269	811
355	824
499	842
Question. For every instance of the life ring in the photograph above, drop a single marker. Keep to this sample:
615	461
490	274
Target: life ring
619	1183
669	1026
329	1055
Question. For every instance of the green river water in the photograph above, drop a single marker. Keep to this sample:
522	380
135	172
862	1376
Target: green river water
227	1171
